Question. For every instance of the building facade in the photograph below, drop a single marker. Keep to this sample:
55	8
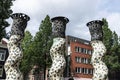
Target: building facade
78	58
3	57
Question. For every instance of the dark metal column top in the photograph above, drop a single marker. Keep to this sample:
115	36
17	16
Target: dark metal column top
95	28
60	18
20	15
59	26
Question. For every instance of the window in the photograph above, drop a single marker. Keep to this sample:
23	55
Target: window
2	55
76	49
83	70
90	71
90	52
86	60
86	51
86	71
78	70
1	70
79	49
78	59
82	50
83	60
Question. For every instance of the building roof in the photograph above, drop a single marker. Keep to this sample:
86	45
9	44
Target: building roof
75	39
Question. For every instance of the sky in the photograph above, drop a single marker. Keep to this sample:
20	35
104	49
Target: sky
79	12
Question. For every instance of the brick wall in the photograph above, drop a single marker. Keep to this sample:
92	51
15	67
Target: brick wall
74	64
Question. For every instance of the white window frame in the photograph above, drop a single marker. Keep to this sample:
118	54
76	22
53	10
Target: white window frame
83	70
76	49
76	59
86	51
79	49
90	52
91	71
87	71
79	59
2	54
86	60
78	70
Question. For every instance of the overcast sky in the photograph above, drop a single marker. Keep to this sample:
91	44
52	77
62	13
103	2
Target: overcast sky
79	12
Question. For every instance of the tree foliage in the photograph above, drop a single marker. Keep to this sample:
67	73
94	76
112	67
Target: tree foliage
27	53
36	50
107	37
5	12
43	42
111	41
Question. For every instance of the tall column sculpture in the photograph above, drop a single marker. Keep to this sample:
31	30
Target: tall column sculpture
57	50
99	50
14	46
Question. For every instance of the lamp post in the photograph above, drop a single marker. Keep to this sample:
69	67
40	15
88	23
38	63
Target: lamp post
57	50
14	47
99	50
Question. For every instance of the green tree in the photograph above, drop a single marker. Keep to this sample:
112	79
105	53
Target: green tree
115	39
112	57
27	47
115	44
42	44
43	40
107	37
5	12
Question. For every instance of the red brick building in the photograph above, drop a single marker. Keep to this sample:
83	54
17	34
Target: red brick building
79	54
